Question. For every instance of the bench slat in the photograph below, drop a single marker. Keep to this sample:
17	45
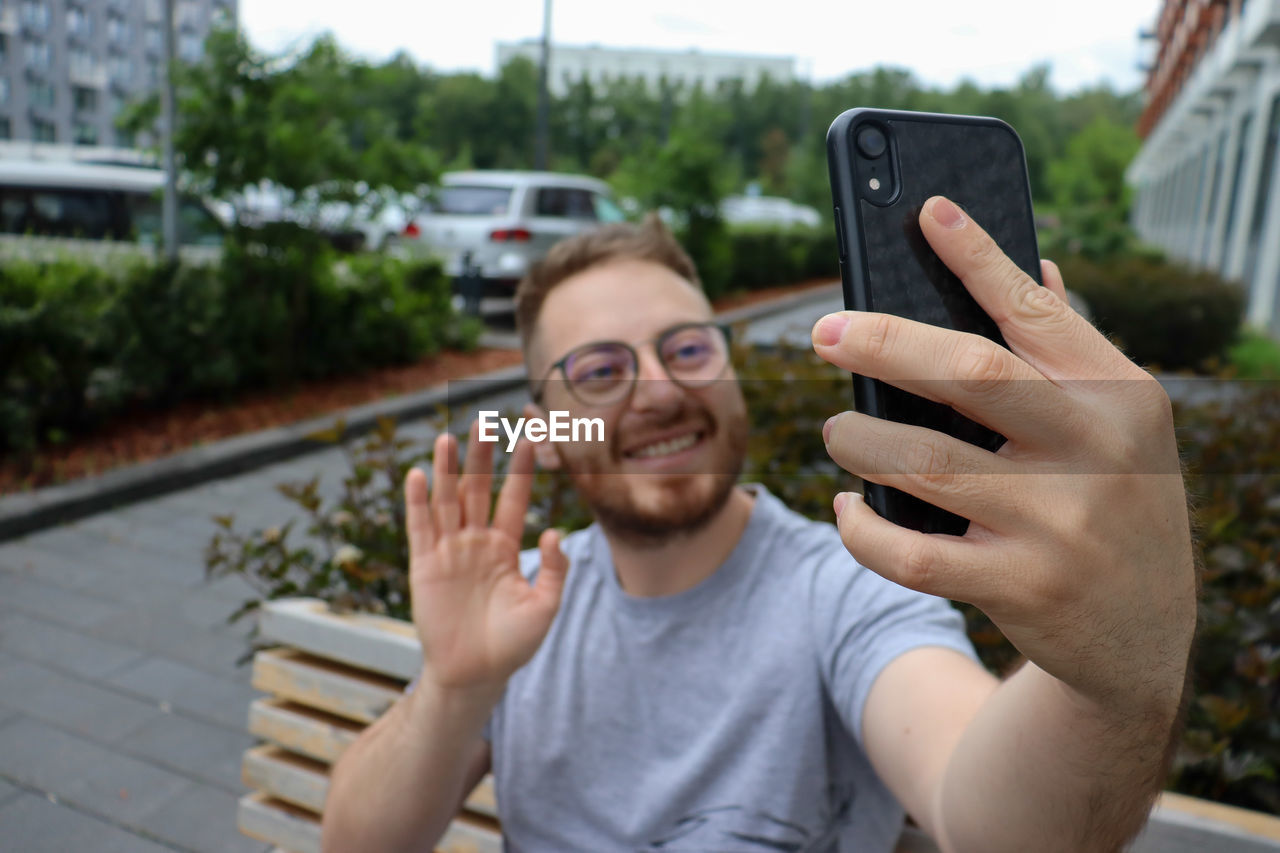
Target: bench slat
306	731
321	684
276	822
286	776
376	643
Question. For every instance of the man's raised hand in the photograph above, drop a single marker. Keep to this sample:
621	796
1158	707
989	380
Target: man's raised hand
479	620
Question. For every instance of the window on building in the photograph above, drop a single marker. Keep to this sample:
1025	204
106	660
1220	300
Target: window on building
1242	150
6	129
81	62
4	91
42	95
4	49
117	30
43	131
35	15
79	23
121	70
154	40
1211	218
84	99
39	56
190	48
85	133
1263	195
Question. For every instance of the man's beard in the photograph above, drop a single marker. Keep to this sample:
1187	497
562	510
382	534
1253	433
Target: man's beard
686	503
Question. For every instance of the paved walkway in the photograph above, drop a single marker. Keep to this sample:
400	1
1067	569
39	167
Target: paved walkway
122	709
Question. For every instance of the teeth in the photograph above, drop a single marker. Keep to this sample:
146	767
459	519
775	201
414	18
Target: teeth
665	448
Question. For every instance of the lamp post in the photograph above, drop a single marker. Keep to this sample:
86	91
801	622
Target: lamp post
168	95
542	143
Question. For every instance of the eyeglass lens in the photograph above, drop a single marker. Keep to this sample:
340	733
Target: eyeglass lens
605	372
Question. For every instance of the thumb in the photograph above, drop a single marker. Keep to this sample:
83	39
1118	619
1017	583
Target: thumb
555	565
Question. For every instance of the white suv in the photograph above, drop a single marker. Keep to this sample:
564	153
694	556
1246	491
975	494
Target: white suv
501	222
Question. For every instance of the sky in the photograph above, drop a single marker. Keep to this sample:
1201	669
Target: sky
992	42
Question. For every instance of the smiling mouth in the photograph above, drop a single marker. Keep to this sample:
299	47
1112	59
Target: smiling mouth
666	447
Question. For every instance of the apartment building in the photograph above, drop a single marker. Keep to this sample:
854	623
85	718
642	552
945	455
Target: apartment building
68	67
1207	181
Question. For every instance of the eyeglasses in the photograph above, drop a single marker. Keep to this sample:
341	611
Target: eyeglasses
605	372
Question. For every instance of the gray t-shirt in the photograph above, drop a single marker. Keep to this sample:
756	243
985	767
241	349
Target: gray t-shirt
726	718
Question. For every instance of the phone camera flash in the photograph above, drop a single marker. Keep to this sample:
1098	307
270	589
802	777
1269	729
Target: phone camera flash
874	183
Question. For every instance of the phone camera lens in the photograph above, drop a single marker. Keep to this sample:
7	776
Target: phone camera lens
871	142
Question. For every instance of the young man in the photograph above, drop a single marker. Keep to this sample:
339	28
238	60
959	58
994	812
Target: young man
715	673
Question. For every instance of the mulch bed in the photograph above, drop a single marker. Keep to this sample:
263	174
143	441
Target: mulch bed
147	435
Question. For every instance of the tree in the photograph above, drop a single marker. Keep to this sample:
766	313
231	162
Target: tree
302	124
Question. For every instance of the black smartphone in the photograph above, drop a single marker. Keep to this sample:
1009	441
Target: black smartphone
884	164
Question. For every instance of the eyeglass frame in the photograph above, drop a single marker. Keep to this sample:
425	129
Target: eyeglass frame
725	329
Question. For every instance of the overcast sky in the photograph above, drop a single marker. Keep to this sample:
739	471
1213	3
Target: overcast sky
989	41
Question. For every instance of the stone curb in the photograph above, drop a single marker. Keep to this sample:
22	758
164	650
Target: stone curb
29	511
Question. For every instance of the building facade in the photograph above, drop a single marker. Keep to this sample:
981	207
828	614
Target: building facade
1207	182
683	69
67	67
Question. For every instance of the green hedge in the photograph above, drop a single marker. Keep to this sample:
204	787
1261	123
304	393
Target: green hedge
80	343
753	258
1162	315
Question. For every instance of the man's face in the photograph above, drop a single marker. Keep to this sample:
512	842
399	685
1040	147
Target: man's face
671	453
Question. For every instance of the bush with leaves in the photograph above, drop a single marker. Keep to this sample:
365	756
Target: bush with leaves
355	557
1163	315
80	343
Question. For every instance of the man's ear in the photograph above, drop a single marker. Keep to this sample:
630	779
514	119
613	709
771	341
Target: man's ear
543	452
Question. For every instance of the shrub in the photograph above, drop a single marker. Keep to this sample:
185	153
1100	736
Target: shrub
1163	315
1231	748
80	343
755	257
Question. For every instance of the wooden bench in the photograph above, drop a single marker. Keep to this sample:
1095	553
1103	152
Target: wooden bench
332	675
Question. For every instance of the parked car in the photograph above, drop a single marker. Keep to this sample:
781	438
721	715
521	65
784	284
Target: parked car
767	210
55	206
497	223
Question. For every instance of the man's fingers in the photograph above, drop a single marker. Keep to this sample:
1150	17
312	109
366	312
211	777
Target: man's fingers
933	563
477	479
979	378
513	499
553	568
1052	278
444	486
1037	323
945	471
418	513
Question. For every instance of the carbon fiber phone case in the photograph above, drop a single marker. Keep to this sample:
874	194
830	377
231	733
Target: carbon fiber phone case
887	266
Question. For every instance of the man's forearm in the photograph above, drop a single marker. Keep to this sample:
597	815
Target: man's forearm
398	786
1042	767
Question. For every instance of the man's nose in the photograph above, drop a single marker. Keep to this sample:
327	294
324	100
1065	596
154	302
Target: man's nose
654	388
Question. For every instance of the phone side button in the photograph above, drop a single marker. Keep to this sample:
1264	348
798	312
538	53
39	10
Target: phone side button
844	252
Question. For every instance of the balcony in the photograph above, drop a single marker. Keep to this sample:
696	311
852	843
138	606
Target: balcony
90	75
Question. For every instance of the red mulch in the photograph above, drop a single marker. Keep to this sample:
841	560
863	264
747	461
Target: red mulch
153	434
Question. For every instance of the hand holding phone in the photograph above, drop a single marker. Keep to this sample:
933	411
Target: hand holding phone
884	165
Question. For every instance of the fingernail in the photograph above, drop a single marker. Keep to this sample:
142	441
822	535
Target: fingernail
830	329
841	499
947	214
826	430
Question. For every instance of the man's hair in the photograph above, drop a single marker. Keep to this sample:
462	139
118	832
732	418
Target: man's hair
648	241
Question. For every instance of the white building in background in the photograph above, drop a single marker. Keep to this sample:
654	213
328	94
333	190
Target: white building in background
687	69
1207	180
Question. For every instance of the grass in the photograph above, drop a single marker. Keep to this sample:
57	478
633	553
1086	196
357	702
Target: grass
1255	356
